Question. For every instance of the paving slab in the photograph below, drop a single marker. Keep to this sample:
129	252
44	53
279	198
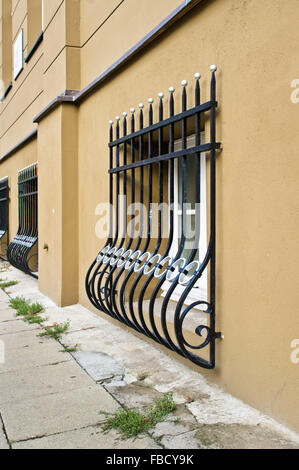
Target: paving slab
25	288
3	296
8	314
33	296
38	354
98	365
57	413
23	339
167	428
88	438
133	395
13	274
135	373
4	306
187	440
43	380
79	321
15	326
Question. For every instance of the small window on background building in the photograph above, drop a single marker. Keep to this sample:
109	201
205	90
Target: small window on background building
6	39
18	55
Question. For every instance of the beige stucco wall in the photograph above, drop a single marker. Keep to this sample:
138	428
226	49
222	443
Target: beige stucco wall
58	198
25	98
257	189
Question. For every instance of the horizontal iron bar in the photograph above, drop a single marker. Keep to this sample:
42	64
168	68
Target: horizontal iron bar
28	194
166	122
4	199
167	156
28	179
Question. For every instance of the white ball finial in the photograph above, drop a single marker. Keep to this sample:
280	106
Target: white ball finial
161	95
150	100
111	123
197	76
124	114
132	110
184	83
141	105
171	89
117	118
213	68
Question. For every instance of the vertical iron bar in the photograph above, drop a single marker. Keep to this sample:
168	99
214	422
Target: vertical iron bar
213	213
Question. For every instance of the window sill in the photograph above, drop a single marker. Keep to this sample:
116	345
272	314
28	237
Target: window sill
34	47
18	74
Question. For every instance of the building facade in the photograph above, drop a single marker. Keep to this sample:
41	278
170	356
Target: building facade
224	141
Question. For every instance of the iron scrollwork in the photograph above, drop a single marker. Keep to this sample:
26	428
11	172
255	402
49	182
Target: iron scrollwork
138	280
4	200
22	251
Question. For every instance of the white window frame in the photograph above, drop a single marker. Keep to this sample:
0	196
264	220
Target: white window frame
18	55
200	290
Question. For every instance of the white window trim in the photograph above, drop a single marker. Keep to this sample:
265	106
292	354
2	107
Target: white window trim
200	290
18	55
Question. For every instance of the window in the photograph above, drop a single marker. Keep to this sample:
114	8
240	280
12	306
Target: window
22	251
6	46
195	218
18	55
154	280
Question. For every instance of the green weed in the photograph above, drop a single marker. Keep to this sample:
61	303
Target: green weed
27	310
131	423
56	330
5	284
69	350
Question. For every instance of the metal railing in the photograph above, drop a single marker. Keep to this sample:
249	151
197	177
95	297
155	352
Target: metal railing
4	201
22	251
139	279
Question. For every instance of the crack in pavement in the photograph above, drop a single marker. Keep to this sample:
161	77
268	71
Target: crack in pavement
4	431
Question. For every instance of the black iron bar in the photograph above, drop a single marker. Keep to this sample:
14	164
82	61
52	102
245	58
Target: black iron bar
4	206
166	122
121	274
23	247
169	156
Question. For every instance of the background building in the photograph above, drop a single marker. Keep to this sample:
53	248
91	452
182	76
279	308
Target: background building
69	66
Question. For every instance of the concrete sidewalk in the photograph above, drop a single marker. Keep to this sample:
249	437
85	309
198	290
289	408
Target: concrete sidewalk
52	400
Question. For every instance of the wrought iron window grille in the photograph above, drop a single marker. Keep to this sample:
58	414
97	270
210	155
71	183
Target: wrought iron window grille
4	201
22	251
127	279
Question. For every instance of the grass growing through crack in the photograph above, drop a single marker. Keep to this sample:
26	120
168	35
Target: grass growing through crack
56	330
69	349
5	284
131	423
29	311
